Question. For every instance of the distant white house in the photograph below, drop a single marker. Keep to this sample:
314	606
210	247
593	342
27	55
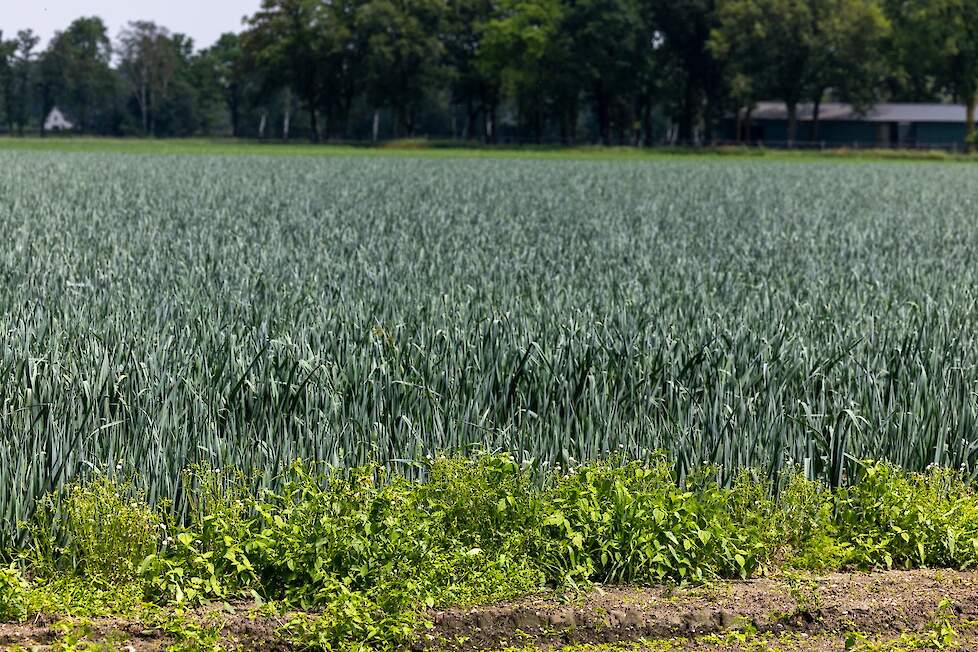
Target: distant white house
56	121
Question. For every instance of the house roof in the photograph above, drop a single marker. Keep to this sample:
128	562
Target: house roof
829	111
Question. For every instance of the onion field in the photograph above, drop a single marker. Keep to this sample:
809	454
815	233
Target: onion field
158	311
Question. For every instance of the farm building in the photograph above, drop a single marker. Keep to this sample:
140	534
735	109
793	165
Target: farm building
56	121
840	125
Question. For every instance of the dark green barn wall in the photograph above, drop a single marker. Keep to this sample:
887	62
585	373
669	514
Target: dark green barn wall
939	132
838	133
846	133
834	133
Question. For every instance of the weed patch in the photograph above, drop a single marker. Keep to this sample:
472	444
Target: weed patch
358	556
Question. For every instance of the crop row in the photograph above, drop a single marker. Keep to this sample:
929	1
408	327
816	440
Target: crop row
160	311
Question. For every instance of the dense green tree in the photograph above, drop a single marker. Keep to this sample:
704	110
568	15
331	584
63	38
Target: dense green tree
464	25
937	41
521	45
283	43
548	67
296	42
797	50
150	60
848	58
75	72
605	36
909	77
647	71
771	43
223	66
192	96
8	50
403	54
684	29
18	101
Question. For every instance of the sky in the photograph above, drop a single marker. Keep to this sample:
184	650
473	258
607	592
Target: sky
203	20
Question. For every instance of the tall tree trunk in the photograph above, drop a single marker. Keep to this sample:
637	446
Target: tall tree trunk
376	129
686	115
261	125
969	123
572	115
286	119
235	114
647	135
347	102
792	122
471	114
708	121
491	125
45	109
604	116
409	121
144	107
314	124
816	107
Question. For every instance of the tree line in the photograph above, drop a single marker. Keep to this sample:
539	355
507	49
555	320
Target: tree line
611	71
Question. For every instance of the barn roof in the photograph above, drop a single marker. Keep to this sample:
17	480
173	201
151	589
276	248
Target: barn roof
896	112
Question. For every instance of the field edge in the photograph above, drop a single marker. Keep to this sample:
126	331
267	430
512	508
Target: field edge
450	149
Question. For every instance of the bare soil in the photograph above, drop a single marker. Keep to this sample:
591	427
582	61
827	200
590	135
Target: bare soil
878	604
790	613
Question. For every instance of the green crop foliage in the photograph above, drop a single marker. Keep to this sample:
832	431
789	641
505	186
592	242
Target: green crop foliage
161	312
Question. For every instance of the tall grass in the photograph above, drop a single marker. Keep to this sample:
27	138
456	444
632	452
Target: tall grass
160	311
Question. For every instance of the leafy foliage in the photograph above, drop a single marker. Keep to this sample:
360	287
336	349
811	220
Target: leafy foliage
13	594
101	529
633	523
898	520
363	555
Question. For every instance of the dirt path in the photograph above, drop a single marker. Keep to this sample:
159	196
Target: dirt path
789	613
897	610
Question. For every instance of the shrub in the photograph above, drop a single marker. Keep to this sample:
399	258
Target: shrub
461	537
634	523
367	552
101	529
890	517
806	534
13	594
